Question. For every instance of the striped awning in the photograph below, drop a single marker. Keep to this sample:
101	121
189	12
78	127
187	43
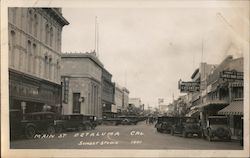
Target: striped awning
234	108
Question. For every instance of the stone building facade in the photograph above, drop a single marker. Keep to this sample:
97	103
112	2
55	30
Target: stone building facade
108	90
125	98
81	77
34	57
118	98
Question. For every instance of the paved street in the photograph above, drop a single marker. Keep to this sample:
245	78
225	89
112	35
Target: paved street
139	136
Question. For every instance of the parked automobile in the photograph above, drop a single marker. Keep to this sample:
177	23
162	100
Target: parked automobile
73	122
186	126
90	120
15	123
164	124
37	122
216	127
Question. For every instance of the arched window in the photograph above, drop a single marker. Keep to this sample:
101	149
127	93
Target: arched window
34	58
35	25
29	56
12	47
46	34
51	37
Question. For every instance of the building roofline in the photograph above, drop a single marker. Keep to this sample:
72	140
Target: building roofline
195	72
58	15
83	55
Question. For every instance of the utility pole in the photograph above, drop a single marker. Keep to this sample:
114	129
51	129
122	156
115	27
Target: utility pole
96	37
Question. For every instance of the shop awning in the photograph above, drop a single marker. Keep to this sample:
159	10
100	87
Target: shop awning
234	108
193	113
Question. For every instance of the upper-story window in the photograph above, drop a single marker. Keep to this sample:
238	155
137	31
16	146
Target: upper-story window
29	56
30	20
46	34
34	61
11	47
35	24
51	36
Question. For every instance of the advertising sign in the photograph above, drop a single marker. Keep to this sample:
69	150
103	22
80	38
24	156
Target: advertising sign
231	75
186	87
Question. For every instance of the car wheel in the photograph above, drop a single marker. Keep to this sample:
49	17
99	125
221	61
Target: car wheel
51	130
80	128
30	132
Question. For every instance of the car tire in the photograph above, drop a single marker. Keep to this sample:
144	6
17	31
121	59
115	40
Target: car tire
30	132
51	130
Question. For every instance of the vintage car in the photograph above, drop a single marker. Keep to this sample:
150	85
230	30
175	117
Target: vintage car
90	120
186	126
37	122
15	123
164	124
73	122
216	127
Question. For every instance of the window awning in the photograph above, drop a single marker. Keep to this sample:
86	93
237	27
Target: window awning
234	108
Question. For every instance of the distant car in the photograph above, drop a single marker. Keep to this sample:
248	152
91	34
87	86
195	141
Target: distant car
37	122
186	126
127	120
216	127
164	124
73	122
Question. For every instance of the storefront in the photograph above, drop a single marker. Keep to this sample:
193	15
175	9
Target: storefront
234	111
31	94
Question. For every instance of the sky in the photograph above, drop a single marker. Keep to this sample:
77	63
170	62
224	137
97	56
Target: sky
148	49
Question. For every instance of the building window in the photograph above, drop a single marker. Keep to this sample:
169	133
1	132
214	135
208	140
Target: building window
50	67
30	21
46	34
12	47
45	66
76	103
34	58
51	37
29	56
35	25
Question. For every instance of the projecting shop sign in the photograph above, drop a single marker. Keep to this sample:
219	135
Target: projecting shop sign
186	87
